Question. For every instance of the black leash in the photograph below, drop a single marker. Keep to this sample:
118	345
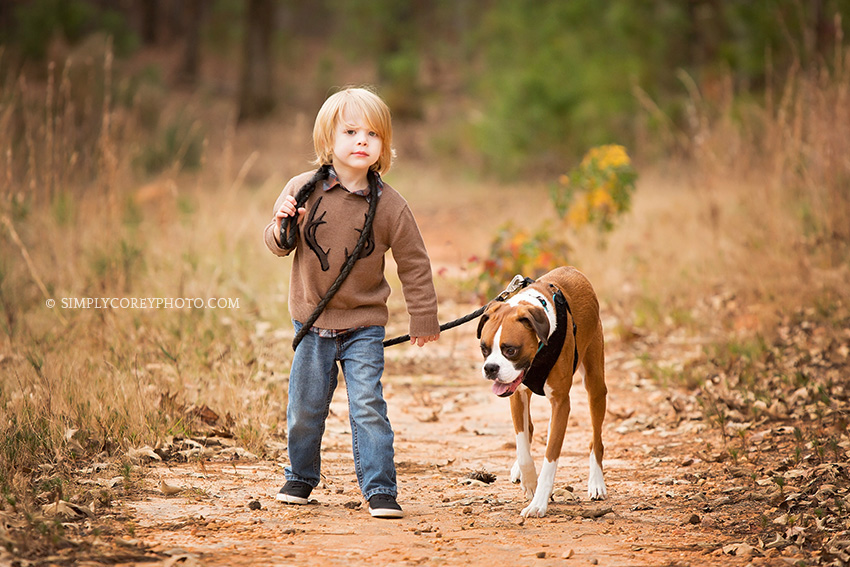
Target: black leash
289	232
517	283
289	229
289	226
444	327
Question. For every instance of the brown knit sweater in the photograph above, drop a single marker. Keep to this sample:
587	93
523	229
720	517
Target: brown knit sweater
328	232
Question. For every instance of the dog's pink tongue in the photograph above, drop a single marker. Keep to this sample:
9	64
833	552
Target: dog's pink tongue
501	389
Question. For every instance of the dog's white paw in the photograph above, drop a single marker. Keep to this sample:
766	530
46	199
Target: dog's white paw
535	509
528	481
528	488
515	472
596	489
527	478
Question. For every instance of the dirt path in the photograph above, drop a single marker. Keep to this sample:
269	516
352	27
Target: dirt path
675	495
446	427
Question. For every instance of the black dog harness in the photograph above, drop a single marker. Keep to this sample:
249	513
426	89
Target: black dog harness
547	354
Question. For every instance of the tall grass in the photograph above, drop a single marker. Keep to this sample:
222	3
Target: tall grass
755	200
775	179
83	217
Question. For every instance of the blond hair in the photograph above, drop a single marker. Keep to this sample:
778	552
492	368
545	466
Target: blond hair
349	102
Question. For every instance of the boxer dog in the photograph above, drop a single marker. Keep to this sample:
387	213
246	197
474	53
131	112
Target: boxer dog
533	343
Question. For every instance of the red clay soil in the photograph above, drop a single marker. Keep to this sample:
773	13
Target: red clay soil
667	504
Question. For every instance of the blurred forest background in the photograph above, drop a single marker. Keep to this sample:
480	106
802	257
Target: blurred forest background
514	86
142	144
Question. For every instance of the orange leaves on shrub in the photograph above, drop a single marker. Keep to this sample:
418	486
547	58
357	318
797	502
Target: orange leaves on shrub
595	193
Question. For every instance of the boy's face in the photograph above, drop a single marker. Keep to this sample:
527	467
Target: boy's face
356	146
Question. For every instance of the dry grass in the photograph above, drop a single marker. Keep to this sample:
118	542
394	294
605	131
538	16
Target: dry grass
762	210
89	225
786	220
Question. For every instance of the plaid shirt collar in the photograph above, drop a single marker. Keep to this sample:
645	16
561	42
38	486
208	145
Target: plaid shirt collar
333	181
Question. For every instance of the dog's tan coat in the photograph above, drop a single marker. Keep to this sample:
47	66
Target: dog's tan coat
521	325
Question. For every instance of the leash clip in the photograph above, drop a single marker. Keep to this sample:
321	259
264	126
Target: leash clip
516	284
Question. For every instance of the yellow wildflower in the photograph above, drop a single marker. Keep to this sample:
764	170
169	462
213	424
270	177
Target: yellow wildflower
613	156
608	156
601	199
579	213
592	154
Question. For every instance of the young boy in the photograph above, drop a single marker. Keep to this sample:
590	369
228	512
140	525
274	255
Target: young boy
353	136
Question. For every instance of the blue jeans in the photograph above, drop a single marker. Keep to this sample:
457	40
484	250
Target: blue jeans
312	381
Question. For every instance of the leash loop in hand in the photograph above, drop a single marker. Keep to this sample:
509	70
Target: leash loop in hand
289	225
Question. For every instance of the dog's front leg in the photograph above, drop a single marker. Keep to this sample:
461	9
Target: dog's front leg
546	482
523	469
597	397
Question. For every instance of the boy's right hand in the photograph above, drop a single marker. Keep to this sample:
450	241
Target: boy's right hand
287	209
421	341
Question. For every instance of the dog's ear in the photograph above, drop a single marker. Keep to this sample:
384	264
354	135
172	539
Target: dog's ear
484	318
535	319
481	323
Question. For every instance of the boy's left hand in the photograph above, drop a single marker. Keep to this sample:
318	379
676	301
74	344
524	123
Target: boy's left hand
420	341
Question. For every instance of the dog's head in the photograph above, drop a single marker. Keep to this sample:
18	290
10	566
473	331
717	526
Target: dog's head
510	335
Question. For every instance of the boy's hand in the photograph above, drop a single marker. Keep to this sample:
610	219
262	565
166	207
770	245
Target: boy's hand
420	341
287	209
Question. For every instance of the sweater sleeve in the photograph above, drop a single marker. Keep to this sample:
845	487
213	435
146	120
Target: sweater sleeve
414	271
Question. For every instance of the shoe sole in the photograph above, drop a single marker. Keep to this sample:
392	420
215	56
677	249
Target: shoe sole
290	499
386	513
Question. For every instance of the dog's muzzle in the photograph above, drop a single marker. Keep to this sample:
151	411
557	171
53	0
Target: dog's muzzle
491	371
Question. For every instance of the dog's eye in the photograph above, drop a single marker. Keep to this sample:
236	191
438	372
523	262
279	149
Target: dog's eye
485	350
509	351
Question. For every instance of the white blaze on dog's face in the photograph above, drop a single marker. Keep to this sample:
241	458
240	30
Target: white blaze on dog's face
510	334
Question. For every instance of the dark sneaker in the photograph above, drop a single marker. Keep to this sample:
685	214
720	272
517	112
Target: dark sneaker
294	492
384	506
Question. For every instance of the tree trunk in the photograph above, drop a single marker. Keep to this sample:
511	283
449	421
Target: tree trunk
150	21
824	31
193	14
256	96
